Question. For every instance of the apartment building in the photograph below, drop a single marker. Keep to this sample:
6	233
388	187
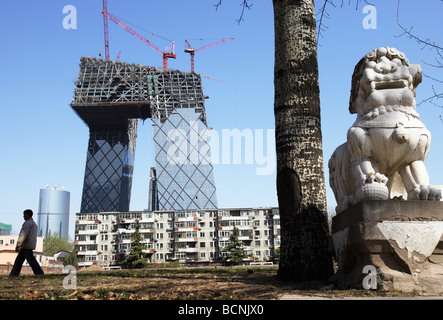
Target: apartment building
188	236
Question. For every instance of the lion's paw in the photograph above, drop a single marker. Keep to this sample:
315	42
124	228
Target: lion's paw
378	177
371	178
426	192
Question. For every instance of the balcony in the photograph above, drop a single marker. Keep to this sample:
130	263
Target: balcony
190	239
87	232
87	253
185	229
186	219
87	222
188	250
241	227
84	242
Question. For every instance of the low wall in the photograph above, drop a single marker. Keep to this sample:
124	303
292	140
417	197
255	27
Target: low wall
5	269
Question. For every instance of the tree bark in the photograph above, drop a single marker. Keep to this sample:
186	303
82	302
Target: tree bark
304	254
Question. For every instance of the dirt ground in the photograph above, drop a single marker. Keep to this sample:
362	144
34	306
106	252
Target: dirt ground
258	283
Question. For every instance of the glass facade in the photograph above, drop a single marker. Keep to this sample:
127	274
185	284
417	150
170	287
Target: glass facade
109	168
184	172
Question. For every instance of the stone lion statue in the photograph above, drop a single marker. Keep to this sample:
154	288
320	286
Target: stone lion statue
388	144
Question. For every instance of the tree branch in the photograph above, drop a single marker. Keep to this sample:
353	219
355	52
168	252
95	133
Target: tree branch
217	5
432	45
322	13
419	40
245	5
431	99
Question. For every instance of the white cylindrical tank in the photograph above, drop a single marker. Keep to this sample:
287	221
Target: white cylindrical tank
53	212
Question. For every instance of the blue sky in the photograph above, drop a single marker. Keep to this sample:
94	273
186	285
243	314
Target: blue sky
44	142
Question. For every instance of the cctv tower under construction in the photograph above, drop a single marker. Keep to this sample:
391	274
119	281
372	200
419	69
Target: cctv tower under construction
110	97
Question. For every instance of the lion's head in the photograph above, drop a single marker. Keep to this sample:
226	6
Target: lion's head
384	81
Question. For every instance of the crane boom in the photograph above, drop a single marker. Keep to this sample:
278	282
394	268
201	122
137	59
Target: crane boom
212	44
192	51
166	54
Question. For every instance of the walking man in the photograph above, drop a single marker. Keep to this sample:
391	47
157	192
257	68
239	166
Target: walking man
26	242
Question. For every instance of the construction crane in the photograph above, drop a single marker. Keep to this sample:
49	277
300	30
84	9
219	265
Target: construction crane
192	51
105	23
166	54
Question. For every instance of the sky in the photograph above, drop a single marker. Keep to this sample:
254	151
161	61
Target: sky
45	143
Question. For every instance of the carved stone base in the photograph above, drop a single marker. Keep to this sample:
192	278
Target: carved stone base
401	239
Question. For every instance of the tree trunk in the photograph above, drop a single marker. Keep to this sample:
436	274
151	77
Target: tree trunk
301	187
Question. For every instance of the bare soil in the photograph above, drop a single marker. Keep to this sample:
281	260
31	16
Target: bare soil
221	283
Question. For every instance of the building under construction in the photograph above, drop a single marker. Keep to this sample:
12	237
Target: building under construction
110	97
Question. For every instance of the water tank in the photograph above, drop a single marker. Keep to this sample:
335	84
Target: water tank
53	212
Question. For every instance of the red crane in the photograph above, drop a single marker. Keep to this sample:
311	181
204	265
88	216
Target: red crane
105	22
192	51
166	54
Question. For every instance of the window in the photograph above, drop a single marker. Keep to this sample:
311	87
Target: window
1	242
11	241
180	255
202	244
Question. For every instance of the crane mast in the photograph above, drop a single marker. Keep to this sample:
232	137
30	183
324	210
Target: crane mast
191	51
105	24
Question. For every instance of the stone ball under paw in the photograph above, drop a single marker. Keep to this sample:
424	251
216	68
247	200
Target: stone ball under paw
372	191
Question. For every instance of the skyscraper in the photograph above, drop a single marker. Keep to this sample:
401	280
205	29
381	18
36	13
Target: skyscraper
110	97
53	212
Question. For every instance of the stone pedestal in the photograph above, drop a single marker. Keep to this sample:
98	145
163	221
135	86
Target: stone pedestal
401	239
